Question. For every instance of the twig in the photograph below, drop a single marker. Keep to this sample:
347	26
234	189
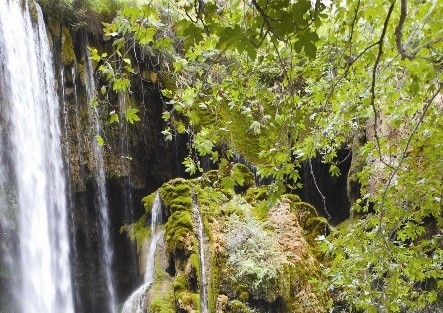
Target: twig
403	156
399	31
323	198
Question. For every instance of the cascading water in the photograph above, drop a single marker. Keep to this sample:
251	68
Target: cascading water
136	303
101	194
203	282
31	163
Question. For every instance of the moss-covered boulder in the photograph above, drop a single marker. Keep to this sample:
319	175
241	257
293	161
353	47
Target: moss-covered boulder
259	255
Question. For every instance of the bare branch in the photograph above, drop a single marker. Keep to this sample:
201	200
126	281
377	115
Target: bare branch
399	32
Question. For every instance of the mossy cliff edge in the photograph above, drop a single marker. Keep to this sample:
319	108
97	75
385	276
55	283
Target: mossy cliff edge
260	257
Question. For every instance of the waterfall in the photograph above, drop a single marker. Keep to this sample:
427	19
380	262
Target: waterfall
136	303
100	188
201	245
31	167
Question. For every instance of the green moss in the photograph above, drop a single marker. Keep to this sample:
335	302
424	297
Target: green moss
243	296
316	226
176	195
304	211
67	54
179	231
180	283
188	301
256	195
163	303
237	306
162	291
210	179
138	232
194	263
148	201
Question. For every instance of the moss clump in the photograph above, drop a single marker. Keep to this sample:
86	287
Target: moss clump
256	195
188	301
176	195
316	226
193	268
236	306
138	232
163	303
67	54
304	212
180	234
148	201
180	283
211	179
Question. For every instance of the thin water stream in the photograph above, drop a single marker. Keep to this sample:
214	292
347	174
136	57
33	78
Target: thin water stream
137	303
201	245
101	197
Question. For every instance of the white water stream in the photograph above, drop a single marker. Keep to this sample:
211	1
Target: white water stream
137	303
101	196
201	244
30	111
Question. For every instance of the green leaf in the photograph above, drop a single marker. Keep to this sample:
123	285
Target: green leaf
190	166
146	35
99	140
227	183
238	176
113	118
164	43
167	133
189	32
166	115
131	115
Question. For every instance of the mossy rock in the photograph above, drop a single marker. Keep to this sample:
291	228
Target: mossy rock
210	179
67	53
148	201
138	232
304	211
176	195
162	303
256	194
188	302
237	306
180	234
180	283
316	226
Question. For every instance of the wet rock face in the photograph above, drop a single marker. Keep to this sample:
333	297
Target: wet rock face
333	189
90	285
137	161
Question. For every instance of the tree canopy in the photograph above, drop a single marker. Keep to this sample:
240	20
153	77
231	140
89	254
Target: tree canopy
280	82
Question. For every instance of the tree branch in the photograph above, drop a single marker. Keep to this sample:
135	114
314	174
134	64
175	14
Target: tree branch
399	32
374	74
408	143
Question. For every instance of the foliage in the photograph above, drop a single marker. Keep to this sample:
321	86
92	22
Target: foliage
281	82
